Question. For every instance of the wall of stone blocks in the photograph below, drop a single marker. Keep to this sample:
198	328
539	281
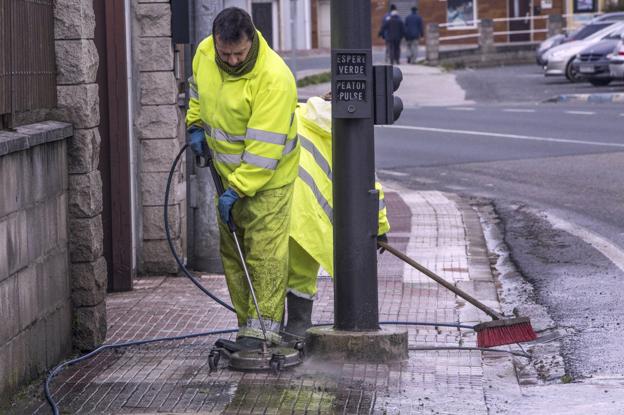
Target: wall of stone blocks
159	130
35	294
78	103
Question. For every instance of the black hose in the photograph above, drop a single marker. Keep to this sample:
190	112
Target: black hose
411	323
59	368
420	323
480	349
170	242
223	303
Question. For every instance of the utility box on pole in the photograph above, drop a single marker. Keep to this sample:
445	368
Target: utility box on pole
356	334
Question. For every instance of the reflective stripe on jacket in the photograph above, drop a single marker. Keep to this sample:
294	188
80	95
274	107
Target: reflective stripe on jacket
311	222
248	120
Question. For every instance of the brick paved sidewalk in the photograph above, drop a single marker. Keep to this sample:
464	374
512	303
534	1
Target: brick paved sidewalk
436	229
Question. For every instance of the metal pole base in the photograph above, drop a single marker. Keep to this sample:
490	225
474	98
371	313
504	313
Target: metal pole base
379	346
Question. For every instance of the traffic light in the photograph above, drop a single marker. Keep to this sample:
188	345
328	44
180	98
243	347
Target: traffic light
388	107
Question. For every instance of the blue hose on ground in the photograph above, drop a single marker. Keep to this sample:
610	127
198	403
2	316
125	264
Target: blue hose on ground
56	370
59	368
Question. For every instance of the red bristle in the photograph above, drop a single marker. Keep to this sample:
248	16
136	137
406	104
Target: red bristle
498	336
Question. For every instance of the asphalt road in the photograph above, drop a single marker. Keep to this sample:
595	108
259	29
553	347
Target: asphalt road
533	160
522	83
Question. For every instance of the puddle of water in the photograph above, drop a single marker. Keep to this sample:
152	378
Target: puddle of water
283	397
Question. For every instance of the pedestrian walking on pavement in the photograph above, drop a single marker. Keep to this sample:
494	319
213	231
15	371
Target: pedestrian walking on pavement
382	34
413	32
311	228
242	104
394	31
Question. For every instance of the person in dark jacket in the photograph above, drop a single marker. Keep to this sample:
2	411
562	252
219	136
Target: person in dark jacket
382	33
394	30
413	33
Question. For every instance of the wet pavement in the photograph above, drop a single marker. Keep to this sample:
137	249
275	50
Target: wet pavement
438	230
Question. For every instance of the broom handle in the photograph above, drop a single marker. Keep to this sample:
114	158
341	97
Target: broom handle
487	310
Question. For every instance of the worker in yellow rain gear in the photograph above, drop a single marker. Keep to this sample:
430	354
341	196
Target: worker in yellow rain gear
311	229
242	104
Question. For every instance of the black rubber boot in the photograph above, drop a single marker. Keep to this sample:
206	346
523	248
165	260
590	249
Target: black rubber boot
249	343
299	317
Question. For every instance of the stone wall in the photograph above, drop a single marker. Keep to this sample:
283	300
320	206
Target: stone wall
78	103
159	130
35	298
508	54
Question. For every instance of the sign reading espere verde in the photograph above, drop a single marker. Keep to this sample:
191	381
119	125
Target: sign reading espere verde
351	83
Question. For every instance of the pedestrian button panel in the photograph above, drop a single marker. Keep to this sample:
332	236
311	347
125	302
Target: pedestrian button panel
352	83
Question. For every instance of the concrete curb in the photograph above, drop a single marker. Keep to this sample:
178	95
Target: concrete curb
593	98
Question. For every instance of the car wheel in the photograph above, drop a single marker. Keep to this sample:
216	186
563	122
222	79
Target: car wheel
571	74
600	82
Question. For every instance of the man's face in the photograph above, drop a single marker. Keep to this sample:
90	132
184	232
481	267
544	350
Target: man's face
233	53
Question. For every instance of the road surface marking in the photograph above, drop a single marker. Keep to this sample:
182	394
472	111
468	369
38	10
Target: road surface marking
580	112
601	244
509	136
518	110
393	173
461	108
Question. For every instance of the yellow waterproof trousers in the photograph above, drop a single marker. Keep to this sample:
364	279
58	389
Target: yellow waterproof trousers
302	271
262	225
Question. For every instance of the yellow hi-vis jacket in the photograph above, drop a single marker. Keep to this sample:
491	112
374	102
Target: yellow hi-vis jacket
312	206
248	120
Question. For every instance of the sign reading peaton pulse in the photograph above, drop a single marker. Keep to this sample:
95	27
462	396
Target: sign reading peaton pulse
352	83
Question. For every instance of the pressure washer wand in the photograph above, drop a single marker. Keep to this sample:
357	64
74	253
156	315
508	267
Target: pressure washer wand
206	160
251	289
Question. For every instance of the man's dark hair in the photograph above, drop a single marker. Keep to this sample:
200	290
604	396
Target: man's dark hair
414	9
231	23
392	7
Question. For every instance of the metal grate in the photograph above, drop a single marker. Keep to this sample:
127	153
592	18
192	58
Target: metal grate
591	57
27	61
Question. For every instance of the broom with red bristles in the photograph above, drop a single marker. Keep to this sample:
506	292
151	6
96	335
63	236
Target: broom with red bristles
500	331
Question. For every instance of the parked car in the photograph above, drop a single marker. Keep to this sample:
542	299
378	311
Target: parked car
616	61
546	45
614	17
559	59
596	24
592	63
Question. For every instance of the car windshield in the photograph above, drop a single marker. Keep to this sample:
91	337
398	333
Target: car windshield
585	31
615	35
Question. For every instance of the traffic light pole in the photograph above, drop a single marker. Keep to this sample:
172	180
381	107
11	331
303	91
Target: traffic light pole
355	199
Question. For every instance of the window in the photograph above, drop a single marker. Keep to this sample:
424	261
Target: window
584	6
461	13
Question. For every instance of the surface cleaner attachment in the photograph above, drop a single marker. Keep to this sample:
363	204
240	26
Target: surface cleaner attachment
275	358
